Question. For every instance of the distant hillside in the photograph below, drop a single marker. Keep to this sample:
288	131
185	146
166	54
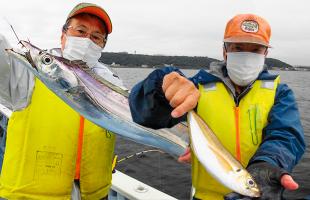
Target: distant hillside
278	64
140	60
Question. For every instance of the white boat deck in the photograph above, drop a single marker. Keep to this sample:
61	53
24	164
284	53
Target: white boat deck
126	187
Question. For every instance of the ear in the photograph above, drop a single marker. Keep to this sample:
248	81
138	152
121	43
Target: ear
266	52
224	53
62	41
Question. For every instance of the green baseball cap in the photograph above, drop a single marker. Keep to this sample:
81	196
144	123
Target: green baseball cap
93	9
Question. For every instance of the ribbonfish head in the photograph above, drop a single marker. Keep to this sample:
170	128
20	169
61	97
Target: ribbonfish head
217	160
52	66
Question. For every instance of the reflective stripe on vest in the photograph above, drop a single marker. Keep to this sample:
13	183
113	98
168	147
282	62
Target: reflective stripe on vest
41	152
79	149
239	128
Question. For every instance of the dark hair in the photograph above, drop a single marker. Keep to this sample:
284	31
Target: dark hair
66	25
226	45
68	22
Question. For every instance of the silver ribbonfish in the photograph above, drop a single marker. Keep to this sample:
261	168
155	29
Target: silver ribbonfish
96	99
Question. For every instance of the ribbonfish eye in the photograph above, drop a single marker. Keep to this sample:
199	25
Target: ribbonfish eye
47	59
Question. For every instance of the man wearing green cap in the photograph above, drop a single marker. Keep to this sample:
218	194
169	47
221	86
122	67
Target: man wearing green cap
49	147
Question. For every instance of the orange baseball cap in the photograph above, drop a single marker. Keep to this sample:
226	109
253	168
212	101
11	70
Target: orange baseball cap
94	10
248	28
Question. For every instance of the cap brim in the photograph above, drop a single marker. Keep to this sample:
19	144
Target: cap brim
97	12
245	39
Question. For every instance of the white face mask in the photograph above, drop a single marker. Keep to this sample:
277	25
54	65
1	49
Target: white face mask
244	67
79	48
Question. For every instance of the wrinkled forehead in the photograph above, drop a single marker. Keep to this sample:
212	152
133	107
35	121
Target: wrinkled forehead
91	22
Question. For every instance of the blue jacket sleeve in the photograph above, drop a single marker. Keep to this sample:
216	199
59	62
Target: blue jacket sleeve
283	138
148	104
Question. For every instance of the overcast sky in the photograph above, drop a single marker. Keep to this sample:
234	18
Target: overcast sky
169	27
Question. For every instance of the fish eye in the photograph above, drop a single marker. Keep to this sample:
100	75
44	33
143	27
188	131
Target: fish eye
47	60
250	183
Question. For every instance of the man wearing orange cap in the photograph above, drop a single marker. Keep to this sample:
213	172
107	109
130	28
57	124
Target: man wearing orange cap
49	147
251	112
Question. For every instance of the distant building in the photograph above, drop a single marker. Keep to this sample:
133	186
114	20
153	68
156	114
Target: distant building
115	65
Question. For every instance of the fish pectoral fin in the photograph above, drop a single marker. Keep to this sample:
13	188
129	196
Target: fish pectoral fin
76	90
65	84
79	92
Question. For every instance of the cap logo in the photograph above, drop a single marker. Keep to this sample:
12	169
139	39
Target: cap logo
249	26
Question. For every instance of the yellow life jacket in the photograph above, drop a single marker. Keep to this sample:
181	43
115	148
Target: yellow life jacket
239	128
41	152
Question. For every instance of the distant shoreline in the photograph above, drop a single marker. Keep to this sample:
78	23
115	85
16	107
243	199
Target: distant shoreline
126	60
195	68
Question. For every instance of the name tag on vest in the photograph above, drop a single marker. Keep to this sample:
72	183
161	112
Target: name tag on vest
268	84
209	87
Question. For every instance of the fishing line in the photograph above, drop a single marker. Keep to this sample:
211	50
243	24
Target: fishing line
139	154
7	21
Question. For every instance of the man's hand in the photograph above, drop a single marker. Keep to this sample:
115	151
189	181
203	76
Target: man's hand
186	157
288	182
181	93
271	181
